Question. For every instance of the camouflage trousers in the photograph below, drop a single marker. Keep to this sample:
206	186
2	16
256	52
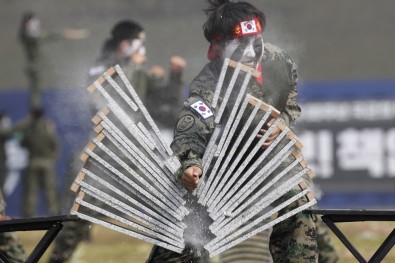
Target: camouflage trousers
68	239
292	240
257	248
39	176
33	74
327	252
10	246
3	173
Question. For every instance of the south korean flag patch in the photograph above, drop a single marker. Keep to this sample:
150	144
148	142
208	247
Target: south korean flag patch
201	108
248	27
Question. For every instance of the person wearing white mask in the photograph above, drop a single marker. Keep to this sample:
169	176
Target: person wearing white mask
126	48
31	37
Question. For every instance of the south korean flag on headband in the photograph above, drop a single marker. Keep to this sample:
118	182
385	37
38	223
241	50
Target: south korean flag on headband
248	27
201	108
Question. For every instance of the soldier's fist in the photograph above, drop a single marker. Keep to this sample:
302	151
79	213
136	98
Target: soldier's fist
138	58
158	71
190	177
177	64
272	135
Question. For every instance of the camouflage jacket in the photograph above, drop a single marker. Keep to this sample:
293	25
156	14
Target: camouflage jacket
40	139
136	73
278	89
155	92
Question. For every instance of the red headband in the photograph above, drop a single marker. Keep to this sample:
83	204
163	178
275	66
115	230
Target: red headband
243	28
247	28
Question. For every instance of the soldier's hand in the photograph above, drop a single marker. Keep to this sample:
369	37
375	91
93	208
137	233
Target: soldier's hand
138	58
271	137
190	178
70	33
177	64
158	71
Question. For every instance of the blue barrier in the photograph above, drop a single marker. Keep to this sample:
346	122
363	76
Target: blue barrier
68	109
343	90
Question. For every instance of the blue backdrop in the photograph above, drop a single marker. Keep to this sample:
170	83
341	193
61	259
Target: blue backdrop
68	109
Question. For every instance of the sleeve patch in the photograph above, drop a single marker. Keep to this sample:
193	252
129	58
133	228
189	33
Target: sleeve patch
201	108
185	123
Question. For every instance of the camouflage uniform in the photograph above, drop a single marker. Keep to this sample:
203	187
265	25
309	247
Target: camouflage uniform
293	240
41	141
145	84
152	90
257	248
327	252
31	43
10	246
5	122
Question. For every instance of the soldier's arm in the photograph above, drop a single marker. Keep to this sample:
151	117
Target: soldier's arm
292	110
53	139
169	89
191	136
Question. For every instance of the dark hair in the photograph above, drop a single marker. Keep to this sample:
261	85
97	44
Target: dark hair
123	30
224	15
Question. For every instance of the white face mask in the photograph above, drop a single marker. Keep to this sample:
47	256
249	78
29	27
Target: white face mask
136	46
33	27
250	55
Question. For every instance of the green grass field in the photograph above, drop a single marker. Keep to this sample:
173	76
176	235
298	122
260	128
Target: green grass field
107	246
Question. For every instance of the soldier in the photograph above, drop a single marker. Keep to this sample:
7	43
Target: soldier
5	123
32	37
125	47
10	245
41	141
294	239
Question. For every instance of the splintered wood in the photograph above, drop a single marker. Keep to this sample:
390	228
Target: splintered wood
127	183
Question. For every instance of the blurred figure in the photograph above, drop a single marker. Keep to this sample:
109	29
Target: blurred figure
5	124
10	246
32	37
161	102
125	47
41	141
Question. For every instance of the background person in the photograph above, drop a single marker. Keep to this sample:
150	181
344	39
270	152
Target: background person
10	246
32	37
126	48
5	124
42	143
